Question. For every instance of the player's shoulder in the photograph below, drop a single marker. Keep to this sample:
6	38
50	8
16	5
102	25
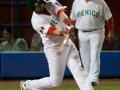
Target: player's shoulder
103	2
100	2
37	17
75	2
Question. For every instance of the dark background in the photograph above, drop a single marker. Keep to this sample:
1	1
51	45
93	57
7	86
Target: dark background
8	16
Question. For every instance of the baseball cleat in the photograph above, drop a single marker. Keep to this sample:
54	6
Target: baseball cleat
23	85
94	83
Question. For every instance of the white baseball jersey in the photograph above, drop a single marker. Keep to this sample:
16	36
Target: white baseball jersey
90	16
42	22
56	63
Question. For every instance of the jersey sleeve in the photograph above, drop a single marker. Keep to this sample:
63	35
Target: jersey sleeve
72	13
57	5
106	11
41	26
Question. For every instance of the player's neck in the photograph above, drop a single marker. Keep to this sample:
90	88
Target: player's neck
46	12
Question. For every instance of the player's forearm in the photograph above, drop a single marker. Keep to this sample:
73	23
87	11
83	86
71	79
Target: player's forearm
61	13
54	31
64	18
110	24
68	23
60	33
72	22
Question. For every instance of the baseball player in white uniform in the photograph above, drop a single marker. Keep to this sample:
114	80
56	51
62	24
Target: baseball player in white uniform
89	18
45	20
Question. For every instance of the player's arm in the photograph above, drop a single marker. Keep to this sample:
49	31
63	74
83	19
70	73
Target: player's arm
54	31
69	23
61	13
110	24
45	28
72	22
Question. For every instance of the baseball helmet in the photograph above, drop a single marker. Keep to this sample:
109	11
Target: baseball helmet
33	3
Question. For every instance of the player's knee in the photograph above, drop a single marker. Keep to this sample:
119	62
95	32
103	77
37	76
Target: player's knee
80	72
55	85
55	82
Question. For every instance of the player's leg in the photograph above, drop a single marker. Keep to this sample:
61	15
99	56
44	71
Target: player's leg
56	65
96	42
84	46
79	74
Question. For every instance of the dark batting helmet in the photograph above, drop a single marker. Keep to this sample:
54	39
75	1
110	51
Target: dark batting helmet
33	3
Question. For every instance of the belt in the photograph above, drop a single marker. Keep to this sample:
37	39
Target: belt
90	30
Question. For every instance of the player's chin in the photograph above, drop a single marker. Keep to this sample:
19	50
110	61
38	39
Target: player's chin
40	11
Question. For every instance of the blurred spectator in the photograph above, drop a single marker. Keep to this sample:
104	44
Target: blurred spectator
12	42
36	43
117	43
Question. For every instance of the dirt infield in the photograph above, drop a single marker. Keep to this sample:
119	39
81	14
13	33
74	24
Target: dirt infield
66	81
115	81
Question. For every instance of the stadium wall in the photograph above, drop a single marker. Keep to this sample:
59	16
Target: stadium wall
34	65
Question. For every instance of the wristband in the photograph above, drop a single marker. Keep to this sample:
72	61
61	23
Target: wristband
62	33
72	22
110	25
66	21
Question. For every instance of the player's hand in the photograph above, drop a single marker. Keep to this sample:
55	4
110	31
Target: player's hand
110	35
69	27
72	36
71	32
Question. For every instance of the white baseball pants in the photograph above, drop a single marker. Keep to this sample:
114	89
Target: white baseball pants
57	65
90	44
